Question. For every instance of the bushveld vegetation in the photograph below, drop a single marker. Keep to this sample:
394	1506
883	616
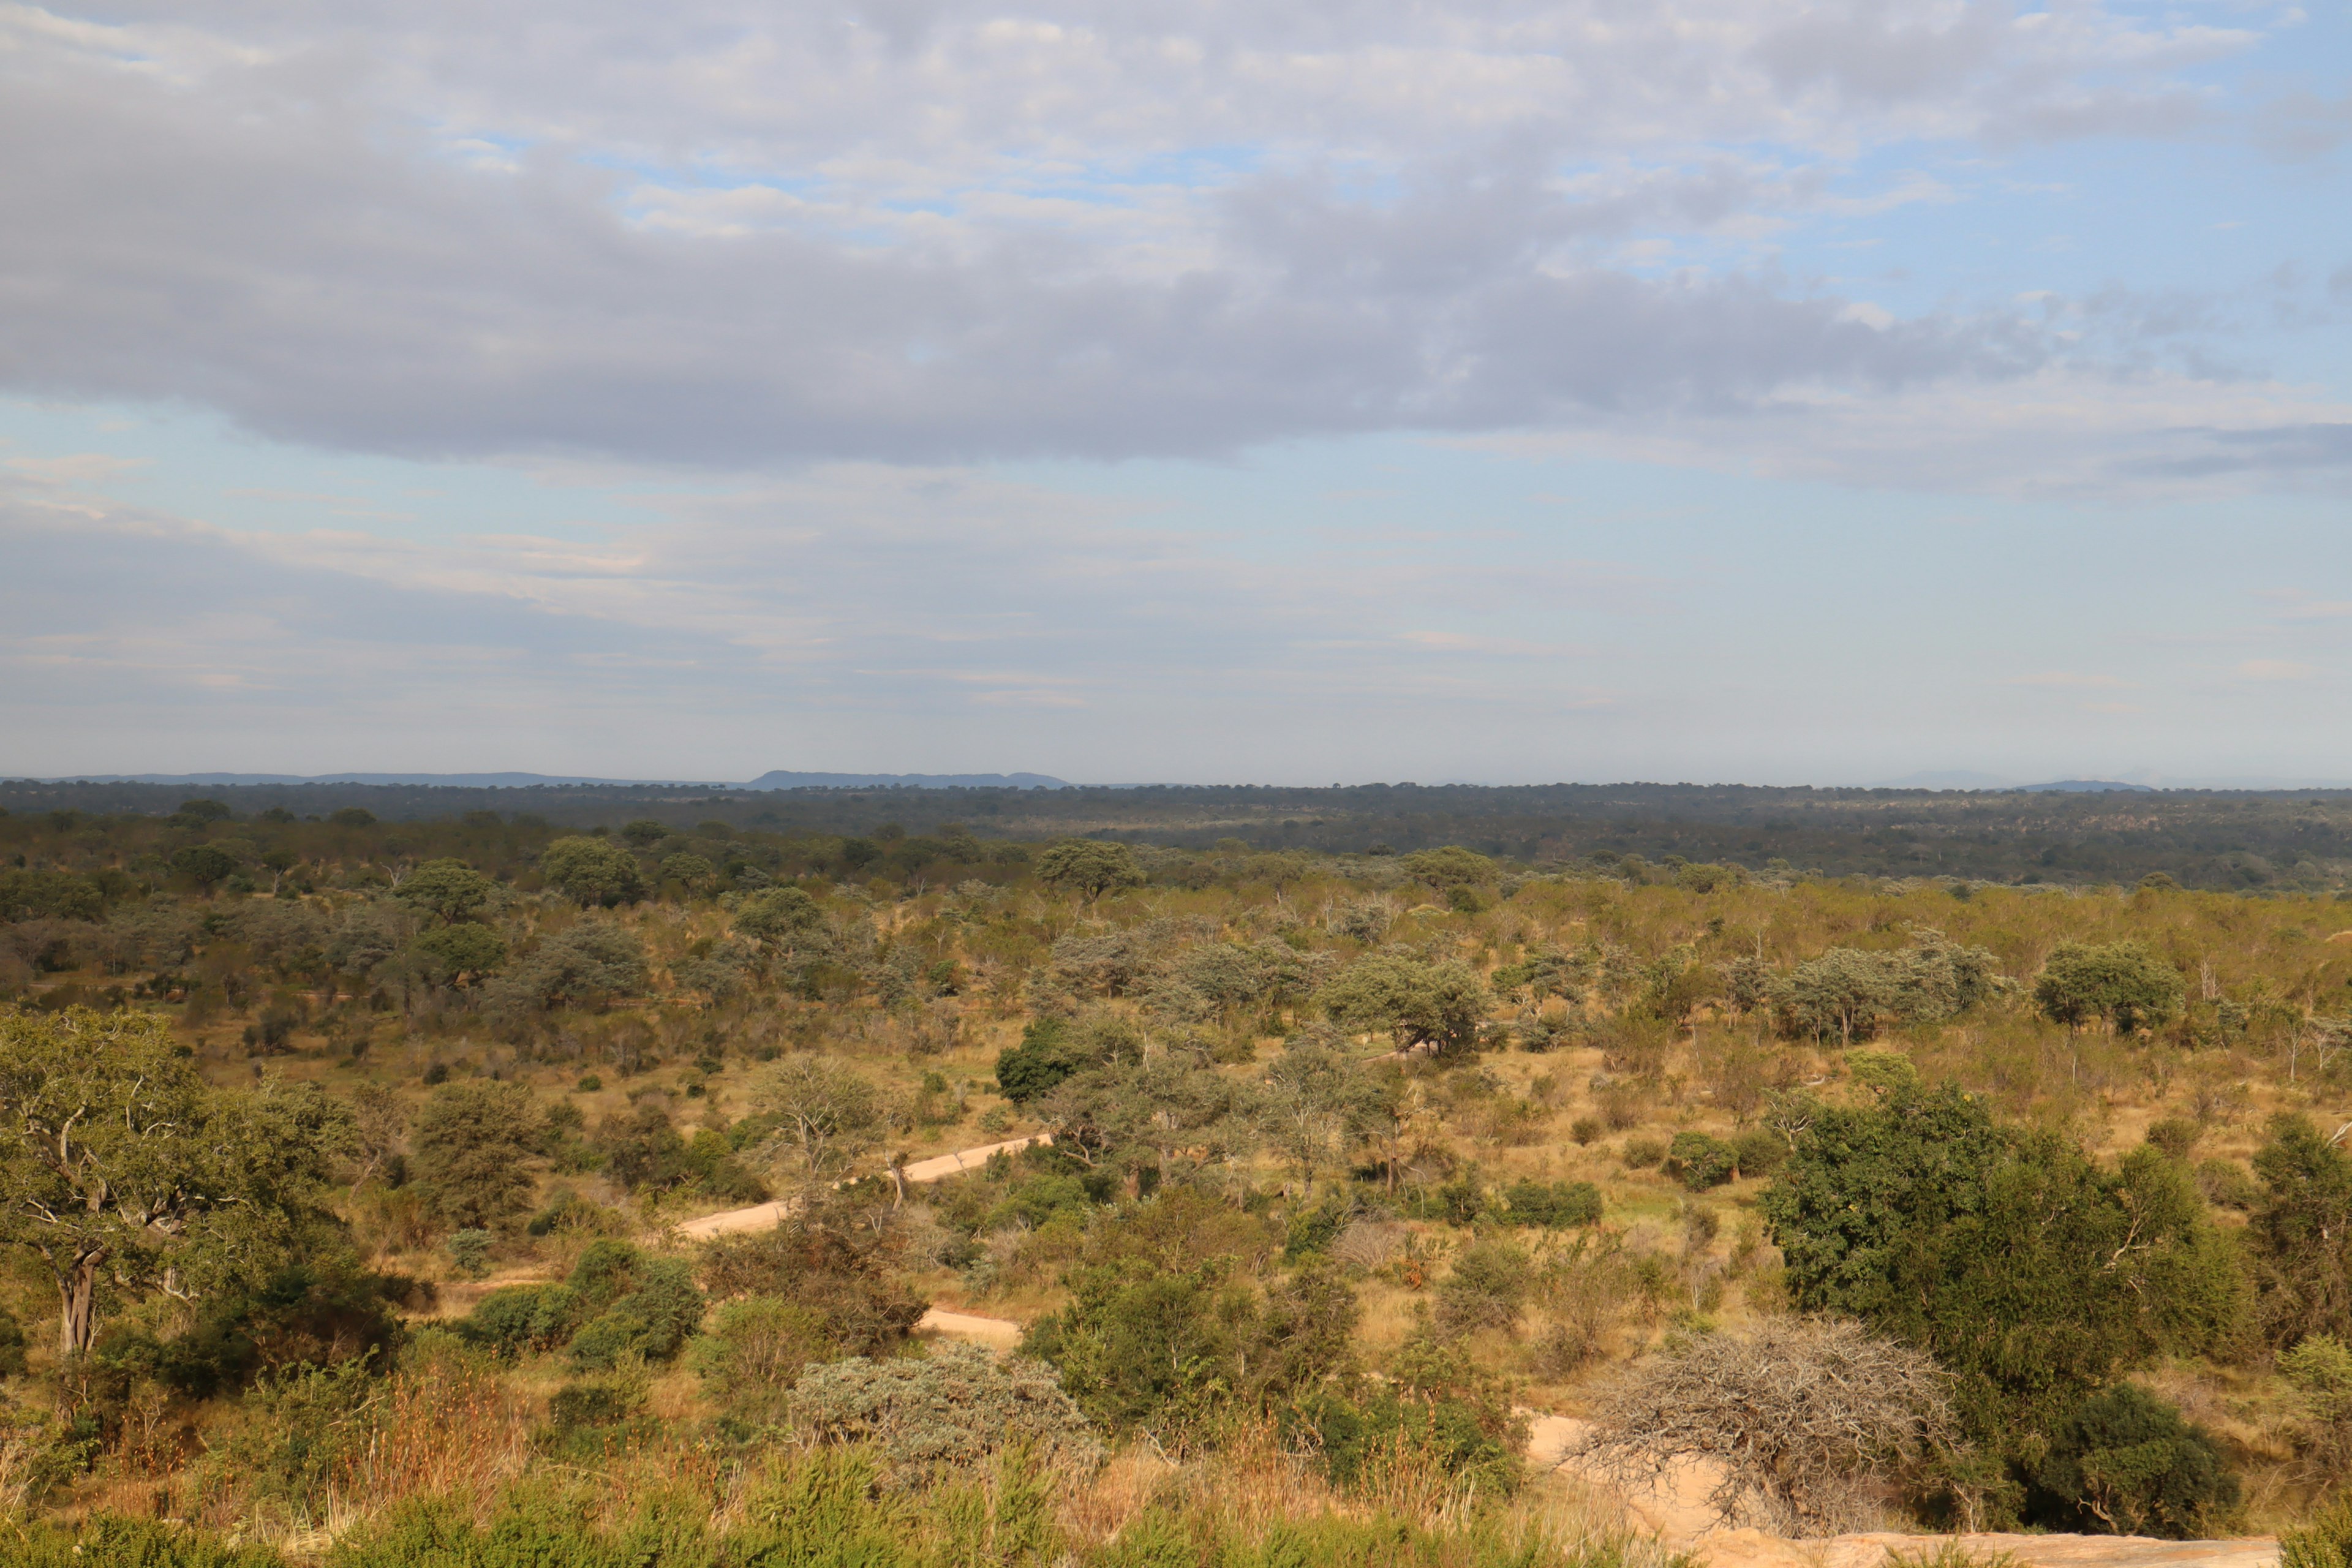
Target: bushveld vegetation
340	1163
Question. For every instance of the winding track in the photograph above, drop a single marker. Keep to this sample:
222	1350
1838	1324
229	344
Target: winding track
1675	1511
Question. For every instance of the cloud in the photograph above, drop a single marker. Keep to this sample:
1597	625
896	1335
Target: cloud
679	235
2275	669
2065	678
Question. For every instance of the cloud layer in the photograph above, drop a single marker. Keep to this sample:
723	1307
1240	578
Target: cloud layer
917	232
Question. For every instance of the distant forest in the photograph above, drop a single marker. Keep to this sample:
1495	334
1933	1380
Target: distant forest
2244	840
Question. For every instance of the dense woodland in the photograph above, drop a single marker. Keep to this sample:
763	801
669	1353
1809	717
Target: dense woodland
342	1158
2281	840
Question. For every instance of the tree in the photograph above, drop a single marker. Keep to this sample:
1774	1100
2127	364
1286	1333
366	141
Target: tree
1451	867
453	950
118	1163
2122	984
587	967
2126	1461
471	1148
593	870
204	864
785	921
2301	1232
2029	1271
1089	868
825	1115
1319	1105
451	890
1416	1003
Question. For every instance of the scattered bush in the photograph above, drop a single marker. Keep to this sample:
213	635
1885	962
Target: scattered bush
1700	1162
954	1408
2125	1461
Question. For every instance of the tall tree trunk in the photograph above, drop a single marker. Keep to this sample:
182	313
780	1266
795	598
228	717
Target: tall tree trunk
78	1298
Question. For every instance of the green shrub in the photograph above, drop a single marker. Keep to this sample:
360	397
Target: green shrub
2125	1461
952	1409
521	1318
1759	1152
1550	1206
118	1542
755	1351
469	1251
1700	1162
1487	1288
2323	1541
1641	1153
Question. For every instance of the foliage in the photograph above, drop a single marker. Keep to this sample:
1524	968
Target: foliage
596	871
2123	1461
2122	984
1086	867
447	888
470	1148
117	1160
1412	1000
2017	1263
2300	1233
828	1262
951	1410
1700	1162
1552	1205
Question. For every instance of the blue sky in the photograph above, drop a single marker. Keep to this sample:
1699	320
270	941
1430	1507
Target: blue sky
1721	389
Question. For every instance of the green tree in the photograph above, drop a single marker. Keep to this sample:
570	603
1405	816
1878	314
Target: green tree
451	952
2301	1232
2030	1272
2125	1461
471	1150
593	870
451	890
2121	984
1414	1001
1089	868
786	921
1451	867
120	1165
204	864
1319	1105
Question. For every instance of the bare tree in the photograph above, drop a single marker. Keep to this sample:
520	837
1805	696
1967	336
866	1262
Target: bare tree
826	1115
1799	1414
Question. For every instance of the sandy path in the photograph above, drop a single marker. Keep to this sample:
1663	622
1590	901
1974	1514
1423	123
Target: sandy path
1675	1511
766	1217
996	1334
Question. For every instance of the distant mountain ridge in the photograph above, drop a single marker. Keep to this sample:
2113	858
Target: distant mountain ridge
778	779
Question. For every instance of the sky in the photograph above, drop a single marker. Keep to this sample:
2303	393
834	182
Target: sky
1485	390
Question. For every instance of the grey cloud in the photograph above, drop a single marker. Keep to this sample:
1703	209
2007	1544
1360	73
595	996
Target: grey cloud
274	258
2284	448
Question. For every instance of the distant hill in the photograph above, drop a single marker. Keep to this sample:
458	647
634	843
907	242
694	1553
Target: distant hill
2085	787
781	780
1962	778
445	781
777	780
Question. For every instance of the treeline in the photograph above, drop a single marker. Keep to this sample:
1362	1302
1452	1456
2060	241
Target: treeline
2240	840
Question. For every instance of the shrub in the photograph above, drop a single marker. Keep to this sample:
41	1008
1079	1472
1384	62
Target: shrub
522	1317
1798	1413
2028	1270
1552	1205
1759	1152
954	1408
823	1260
126	1543
755	1351
2125	1461
1700	1162
1641	1153
1487	1288
1585	1130
2323	1541
469	1251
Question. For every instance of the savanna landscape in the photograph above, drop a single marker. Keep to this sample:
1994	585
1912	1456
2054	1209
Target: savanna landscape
368	1187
